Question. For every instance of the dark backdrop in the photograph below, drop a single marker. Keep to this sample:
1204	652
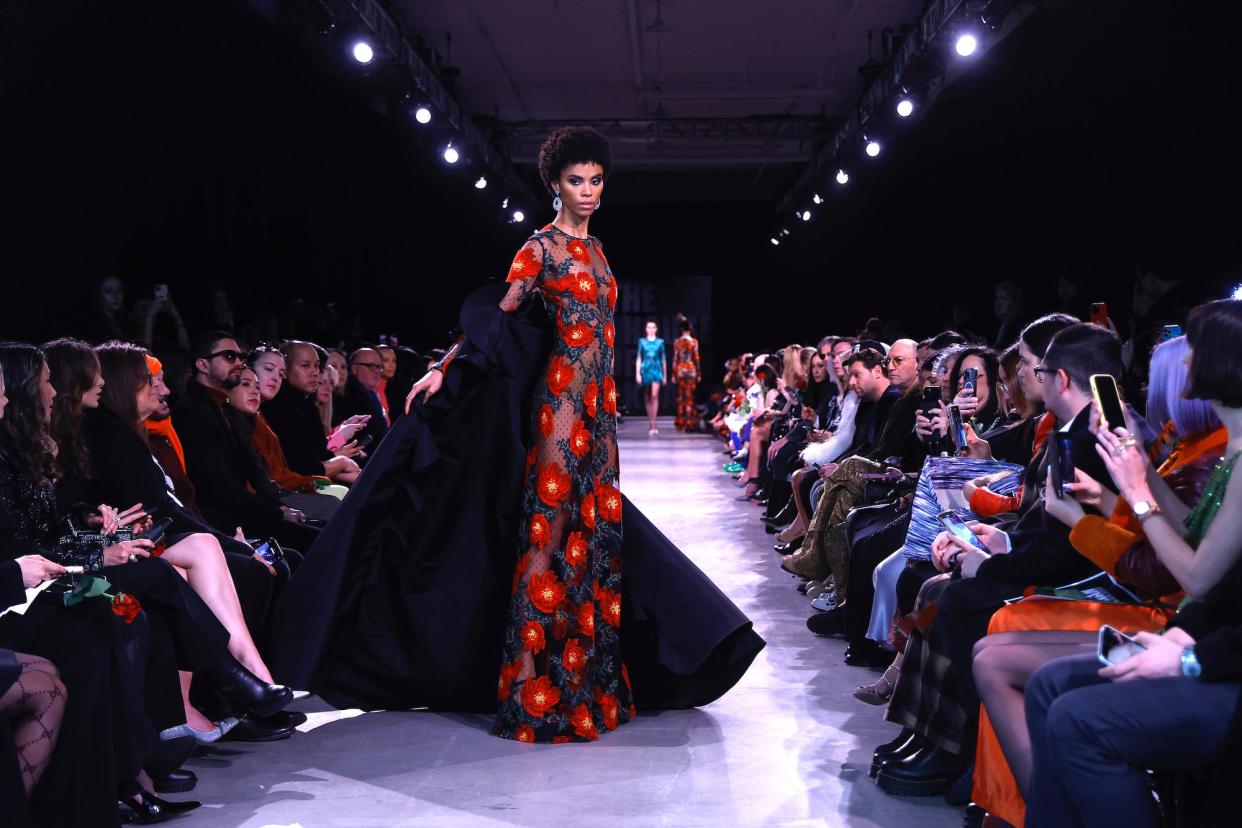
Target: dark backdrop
197	144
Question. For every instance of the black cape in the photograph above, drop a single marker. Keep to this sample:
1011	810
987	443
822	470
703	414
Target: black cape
403	600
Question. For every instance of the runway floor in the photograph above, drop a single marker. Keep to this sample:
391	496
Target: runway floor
788	746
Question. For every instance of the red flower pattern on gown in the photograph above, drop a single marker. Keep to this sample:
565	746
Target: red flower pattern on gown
562	674
686	371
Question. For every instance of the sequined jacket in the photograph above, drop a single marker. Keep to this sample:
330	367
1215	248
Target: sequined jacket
29	525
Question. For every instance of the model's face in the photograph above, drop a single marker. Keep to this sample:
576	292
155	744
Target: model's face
90	397
580	187
269	370
819	368
651	330
389	357
245	396
303	369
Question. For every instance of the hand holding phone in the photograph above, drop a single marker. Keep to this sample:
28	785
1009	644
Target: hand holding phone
957	428
958	528
1061	465
1099	314
1108	401
1114	646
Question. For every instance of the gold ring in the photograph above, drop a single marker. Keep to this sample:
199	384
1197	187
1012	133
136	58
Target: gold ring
1129	441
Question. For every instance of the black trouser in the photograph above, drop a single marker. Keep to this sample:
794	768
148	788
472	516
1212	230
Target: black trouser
910	582
1092	739
869	546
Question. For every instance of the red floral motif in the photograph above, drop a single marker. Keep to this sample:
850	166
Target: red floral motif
560	625
531	457
560	375
523	564
573	657
609	706
126	606
526	265
583	722
524	733
579	439
588	511
609	606
577	335
554	484
546	420
610	395
508	673
576	549
610	334
586	619
579	253
590	399
545	591
582	284
532	637
608	501
612	293
540	531
539	696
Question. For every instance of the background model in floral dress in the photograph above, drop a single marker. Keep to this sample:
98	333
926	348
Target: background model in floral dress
686	373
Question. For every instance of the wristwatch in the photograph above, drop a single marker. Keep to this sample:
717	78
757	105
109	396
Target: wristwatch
1144	509
1190	663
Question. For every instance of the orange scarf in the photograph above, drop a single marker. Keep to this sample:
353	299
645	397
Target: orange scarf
164	428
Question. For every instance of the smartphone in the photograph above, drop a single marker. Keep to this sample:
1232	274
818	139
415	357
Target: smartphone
364	440
270	551
1170	332
958	428
950	521
156	533
970	378
161	291
1062	464
1108	400
931	398
1099	314
1115	646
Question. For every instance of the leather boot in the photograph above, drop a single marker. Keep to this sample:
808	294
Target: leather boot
906	743
245	691
926	772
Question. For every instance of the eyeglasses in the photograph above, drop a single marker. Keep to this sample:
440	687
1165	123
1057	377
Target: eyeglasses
375	366
229	355
1039	369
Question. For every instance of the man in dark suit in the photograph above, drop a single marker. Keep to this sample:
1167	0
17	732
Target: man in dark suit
362	397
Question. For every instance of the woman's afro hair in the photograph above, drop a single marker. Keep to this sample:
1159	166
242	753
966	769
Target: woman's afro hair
573	145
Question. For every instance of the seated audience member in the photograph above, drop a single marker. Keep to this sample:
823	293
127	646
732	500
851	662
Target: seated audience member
411	366
292	416
165	443
233	491
1036	551
362	396
1174	705
388	356
242	415
268	364
339	361
1025	635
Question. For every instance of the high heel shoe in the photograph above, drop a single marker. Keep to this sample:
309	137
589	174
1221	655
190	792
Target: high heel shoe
151	809
790	533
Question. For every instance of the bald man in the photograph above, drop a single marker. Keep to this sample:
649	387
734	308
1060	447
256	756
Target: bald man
361	396
903	364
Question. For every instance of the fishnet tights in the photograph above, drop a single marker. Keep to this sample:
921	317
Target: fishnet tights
36	703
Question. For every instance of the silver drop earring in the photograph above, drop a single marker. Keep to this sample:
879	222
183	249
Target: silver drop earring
556	203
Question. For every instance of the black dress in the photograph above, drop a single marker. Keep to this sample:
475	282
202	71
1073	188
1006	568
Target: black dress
403	601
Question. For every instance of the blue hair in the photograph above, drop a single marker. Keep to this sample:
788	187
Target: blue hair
1166	387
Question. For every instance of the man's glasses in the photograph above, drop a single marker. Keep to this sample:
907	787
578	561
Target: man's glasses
374	366
1039	370
228	356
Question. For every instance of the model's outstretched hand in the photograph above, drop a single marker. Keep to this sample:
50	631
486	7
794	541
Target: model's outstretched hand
429	385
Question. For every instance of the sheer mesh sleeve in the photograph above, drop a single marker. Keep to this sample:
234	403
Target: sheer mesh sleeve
525	275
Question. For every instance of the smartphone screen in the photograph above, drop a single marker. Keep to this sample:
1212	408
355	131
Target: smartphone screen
1170	332
1115	646
1099	314
1104	389
958	427
264	551
950	521
931	398
1062	464
970	378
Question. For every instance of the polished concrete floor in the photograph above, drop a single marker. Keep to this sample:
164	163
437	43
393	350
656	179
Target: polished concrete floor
788	746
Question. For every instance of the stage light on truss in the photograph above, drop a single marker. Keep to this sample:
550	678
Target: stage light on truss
481	184
805	215
518	217
816	198
504	204
775	241
422	115
905	107
966	44
873	148
363	53
842	177
784	231
1237	293
451	155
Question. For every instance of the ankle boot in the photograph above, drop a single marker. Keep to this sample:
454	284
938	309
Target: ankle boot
926	772
245	691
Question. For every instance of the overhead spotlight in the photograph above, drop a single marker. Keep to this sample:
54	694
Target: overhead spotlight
966	44
873	148
422	115
805	215
518	217
481	184
363	53
842	176
905	107
1237	293
451	155
775	241
816	198
504	204
784	231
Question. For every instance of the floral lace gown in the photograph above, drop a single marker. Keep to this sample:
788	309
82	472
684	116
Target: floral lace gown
562	678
